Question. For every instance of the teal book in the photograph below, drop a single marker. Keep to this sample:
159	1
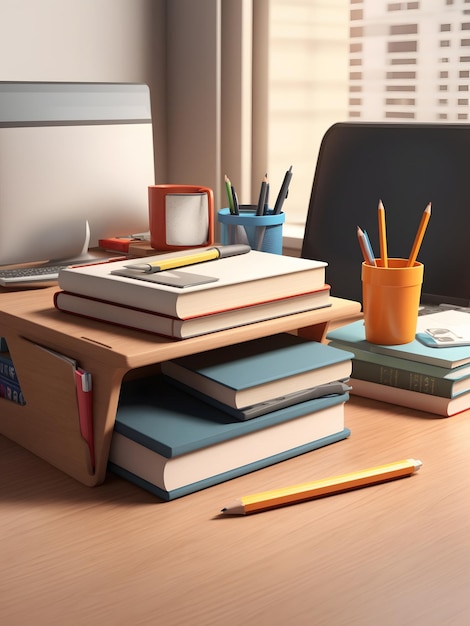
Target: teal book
407	374
353	336
259	370
173	444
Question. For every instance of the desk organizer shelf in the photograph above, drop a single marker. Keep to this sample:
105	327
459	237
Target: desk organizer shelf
47	424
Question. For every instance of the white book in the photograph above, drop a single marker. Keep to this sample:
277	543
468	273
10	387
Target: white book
149	321
236	282
444	407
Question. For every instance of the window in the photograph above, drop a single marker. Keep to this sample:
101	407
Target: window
253	85
315	73
333	60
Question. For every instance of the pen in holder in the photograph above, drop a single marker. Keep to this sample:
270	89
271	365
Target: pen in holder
261	232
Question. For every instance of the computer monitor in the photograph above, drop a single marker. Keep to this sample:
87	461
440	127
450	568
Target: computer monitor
75	158
406	165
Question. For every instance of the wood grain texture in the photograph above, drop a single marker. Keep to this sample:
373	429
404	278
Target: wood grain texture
397	553
108	353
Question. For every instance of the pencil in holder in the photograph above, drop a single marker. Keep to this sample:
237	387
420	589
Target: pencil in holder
260	232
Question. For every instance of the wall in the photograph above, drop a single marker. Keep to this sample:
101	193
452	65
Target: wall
89	40
194	100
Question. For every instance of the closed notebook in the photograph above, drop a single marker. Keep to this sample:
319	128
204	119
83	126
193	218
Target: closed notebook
149	321
235	282
354	335
173	444
259	370
407	374
445	407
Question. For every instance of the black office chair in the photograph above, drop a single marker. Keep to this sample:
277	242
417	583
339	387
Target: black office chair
406	166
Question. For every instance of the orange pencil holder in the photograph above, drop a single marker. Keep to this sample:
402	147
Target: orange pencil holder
391	297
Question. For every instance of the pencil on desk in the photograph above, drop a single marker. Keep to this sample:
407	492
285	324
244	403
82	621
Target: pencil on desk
327	486
419	235
382	235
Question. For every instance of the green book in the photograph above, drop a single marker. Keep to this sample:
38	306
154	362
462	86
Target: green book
259	370
173	444
353	336
407	374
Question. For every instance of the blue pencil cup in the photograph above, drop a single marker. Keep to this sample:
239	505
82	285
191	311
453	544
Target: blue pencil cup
261	232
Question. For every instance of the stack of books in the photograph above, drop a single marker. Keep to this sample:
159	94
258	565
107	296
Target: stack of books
9	384
195	299
431	379
217	415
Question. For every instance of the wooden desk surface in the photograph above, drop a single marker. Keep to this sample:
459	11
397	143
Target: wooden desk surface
392	554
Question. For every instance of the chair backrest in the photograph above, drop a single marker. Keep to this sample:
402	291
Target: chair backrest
406	166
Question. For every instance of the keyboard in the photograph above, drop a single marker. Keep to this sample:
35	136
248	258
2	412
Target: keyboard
428	309
36	274
48	272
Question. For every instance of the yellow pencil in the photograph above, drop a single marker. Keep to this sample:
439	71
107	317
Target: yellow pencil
191	258
419	236
318	488
382	235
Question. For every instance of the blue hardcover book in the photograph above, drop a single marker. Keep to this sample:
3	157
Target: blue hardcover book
259	370
354	335
173	444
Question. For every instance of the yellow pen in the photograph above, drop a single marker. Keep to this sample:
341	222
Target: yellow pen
209	254
327	486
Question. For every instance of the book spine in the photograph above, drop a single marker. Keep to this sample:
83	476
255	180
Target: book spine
7	369
230	474
11	390
404	379
437	405
147	322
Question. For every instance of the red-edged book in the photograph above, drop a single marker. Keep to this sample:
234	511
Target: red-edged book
149	321
199	289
